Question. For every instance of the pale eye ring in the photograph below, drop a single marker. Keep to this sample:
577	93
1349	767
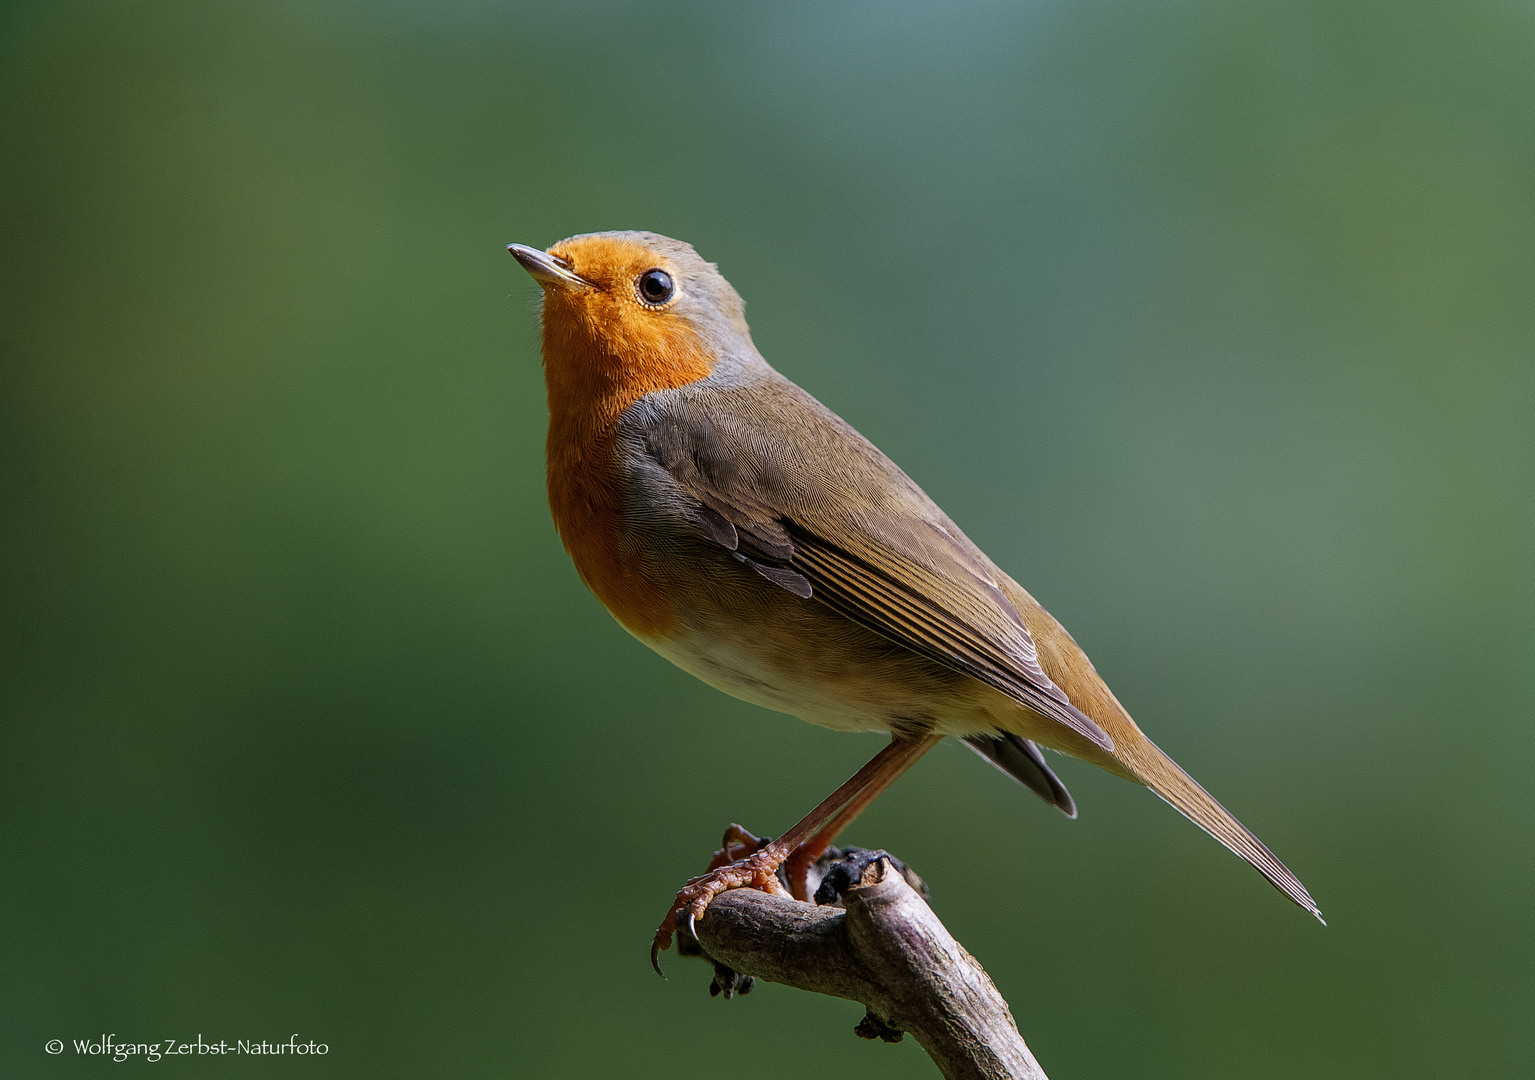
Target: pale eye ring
655	287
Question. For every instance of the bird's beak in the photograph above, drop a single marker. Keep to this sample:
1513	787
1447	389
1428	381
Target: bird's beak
546	269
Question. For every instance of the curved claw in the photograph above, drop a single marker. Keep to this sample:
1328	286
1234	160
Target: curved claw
757	871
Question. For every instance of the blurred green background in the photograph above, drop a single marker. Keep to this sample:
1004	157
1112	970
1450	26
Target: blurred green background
1211	321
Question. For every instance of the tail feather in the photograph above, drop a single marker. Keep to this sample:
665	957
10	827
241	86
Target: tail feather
1020	758
1180	790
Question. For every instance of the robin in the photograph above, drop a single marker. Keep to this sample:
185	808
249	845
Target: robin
748	534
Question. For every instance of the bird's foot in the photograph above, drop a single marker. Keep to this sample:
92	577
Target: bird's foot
759	870
737	844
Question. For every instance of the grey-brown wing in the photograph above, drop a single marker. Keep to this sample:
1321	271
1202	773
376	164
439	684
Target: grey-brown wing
837	521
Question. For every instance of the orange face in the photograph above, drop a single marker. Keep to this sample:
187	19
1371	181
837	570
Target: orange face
607	345
609	338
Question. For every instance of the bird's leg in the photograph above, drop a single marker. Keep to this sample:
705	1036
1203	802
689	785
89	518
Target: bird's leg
759	870
797	867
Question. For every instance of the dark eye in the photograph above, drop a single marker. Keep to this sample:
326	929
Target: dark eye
656	286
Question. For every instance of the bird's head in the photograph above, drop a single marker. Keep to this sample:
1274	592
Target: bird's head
627	313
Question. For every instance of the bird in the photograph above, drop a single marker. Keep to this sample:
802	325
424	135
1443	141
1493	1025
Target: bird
748	534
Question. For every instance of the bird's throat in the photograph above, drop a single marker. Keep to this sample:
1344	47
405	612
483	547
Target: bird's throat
590	385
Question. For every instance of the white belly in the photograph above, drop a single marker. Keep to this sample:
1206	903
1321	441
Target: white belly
841	697
754	678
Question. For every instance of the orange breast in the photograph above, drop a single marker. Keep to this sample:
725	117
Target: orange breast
586	500
600	357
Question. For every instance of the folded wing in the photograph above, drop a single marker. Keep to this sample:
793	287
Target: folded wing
862	538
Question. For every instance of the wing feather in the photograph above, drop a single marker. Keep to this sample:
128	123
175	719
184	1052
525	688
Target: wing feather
868	594
836	521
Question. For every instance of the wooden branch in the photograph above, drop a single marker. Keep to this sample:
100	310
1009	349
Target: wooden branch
887	951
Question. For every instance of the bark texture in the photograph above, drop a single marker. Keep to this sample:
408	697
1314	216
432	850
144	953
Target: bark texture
887	951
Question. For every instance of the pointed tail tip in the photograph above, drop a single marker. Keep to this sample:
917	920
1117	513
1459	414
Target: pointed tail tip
1290	885
1303	900
1183	793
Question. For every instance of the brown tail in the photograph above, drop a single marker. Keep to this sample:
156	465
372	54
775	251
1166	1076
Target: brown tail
1177	788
